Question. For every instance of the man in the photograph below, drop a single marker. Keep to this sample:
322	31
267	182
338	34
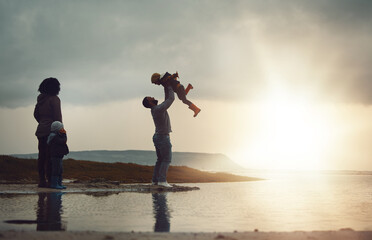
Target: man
161	137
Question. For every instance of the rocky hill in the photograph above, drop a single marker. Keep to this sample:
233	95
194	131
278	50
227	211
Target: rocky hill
201	161
18	170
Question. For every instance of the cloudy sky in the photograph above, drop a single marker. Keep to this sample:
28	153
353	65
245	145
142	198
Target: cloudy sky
281	84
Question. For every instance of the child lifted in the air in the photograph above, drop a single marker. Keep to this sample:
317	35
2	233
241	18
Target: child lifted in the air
167	79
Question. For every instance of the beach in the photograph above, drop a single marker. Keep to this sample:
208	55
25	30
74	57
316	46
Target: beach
107	207
103	209
346	234
108	187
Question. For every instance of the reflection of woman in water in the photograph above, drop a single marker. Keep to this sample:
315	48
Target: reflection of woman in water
47	110
161	212
49	212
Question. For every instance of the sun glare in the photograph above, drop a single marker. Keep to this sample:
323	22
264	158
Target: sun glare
291	129
291	134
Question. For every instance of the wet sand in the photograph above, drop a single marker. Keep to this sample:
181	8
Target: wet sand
92	187
343	234
321	235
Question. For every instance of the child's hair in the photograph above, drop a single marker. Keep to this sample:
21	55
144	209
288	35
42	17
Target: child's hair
155	77
50	86
146	103
56	126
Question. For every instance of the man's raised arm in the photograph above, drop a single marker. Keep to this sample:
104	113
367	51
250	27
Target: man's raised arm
169	98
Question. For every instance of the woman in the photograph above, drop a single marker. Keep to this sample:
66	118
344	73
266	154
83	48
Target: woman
47	110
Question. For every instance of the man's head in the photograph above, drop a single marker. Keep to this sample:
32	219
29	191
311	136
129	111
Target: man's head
149	102
155	78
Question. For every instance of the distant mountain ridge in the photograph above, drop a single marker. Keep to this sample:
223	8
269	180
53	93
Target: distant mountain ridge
201	161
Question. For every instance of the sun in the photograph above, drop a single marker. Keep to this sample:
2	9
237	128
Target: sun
292	133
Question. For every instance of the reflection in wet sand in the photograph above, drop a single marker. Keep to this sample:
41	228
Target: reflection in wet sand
49	212
161	212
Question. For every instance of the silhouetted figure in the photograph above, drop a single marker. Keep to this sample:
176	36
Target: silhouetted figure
161	212
47	110
166	79
49	212
161	137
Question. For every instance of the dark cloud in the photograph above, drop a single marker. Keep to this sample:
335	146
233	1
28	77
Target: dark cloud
103	51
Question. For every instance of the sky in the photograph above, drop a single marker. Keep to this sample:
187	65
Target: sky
281	84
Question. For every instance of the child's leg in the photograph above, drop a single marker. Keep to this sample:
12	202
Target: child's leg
182	96
181	93
195	109
189	87
56	161
60	171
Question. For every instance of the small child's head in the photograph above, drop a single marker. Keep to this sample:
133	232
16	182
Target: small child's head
155	78
57	126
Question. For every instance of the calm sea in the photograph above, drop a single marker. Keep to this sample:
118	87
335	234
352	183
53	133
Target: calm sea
283	202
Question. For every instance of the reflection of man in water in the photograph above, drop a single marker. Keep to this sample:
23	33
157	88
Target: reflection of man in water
49	212
161	212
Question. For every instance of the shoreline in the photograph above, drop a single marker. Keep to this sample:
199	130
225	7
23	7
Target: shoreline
83	188
346	234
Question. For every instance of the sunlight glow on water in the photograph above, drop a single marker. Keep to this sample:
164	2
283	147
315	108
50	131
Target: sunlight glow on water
282	203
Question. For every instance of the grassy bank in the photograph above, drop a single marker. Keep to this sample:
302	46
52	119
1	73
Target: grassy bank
17	170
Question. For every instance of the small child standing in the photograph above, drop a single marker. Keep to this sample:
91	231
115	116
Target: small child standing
58	148
167	79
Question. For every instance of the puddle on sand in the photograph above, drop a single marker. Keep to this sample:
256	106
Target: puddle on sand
48	213
80	211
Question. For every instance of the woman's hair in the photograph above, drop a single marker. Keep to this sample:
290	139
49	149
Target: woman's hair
50	86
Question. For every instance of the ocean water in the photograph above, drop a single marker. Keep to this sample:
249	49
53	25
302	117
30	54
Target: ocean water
283	202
